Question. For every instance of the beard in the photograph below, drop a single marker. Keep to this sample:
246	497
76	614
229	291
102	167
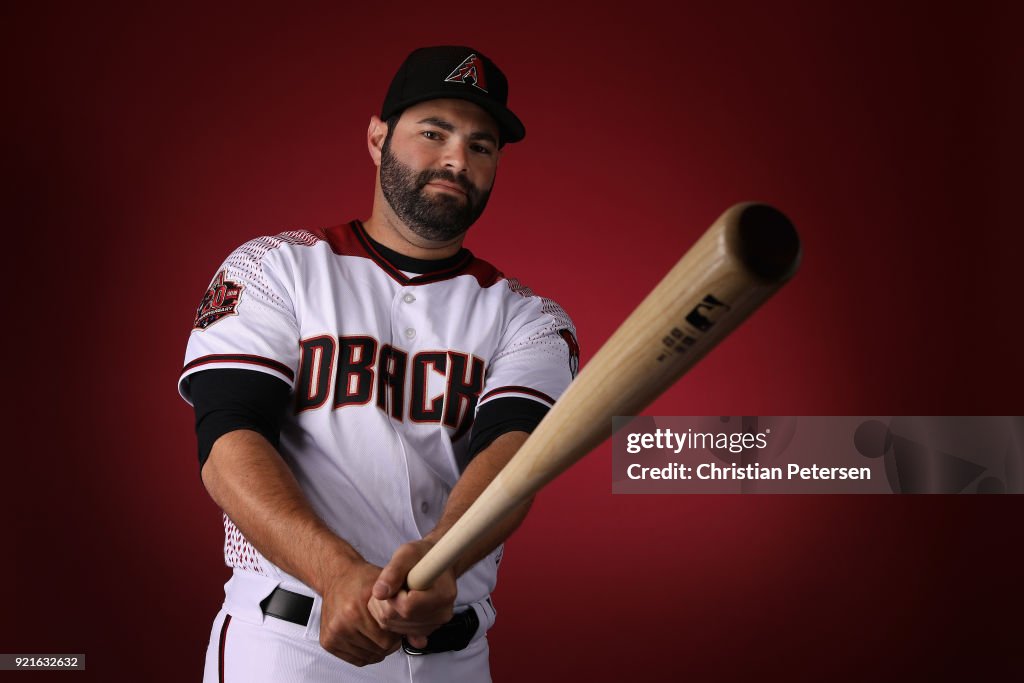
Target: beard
439	217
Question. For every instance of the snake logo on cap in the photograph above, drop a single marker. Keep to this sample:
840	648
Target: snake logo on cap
471	68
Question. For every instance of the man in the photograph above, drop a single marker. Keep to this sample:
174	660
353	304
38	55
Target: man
357	387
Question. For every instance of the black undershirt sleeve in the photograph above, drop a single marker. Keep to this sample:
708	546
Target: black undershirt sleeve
229	399
504	415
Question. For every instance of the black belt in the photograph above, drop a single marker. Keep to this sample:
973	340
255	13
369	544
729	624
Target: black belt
289	606
455	635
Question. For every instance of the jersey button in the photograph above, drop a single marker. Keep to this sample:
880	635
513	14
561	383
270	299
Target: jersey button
408	298
410	333
424	507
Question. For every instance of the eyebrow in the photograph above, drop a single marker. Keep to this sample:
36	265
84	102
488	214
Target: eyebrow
446	125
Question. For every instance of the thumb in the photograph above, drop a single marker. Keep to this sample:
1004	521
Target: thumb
382	588
392	576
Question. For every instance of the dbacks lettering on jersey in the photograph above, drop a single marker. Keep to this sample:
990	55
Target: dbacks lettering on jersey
220	300
365	368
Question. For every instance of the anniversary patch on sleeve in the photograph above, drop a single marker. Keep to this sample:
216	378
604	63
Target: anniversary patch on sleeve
220	301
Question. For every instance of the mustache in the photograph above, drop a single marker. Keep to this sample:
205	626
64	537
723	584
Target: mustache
440	174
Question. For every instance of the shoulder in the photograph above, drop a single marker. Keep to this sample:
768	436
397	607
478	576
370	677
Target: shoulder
261	257
484	272
544	306
260	268
256	249
488	276
537	332
517	293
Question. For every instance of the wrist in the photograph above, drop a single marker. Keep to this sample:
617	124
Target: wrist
334	560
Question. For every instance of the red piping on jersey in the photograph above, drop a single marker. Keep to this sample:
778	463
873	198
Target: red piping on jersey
350	239
518	390
223	641
241	358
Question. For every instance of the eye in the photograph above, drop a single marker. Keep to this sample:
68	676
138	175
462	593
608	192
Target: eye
481	149
431	135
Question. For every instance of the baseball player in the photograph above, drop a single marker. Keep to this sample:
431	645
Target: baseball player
356	387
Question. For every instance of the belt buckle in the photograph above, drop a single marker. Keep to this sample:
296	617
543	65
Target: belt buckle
453	636
415	651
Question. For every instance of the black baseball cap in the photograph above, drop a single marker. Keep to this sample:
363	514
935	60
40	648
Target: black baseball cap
459	72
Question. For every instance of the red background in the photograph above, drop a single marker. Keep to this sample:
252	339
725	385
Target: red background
145	143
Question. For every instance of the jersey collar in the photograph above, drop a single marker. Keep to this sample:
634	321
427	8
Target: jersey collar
390	257
351	239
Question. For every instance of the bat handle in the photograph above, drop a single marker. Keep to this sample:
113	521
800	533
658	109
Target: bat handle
429	568
490	507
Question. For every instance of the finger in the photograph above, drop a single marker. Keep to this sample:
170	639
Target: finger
392	577
399	615
382	639
360	657
381	589
402	604
357	653
389	582
360	638
381	611
422	607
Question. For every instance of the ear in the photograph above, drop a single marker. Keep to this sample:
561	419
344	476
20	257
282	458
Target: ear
375	134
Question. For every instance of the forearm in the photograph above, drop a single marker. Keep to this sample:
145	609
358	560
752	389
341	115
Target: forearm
247	478
481	471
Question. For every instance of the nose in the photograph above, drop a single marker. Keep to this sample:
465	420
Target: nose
455	158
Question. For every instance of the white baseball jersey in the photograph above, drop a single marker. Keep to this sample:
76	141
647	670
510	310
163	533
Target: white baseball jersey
387	368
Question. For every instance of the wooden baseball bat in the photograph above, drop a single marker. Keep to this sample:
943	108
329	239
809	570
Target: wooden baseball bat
742	259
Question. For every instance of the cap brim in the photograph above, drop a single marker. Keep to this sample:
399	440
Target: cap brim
511	128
